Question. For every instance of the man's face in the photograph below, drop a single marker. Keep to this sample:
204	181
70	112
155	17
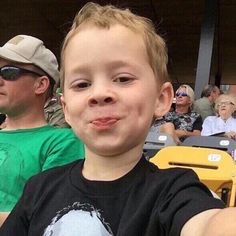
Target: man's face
215	94
110	92
15	94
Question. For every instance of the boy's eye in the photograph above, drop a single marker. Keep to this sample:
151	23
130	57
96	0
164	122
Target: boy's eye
123	79
82	85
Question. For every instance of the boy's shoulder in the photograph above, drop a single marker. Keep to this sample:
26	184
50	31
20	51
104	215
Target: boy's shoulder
146	171
145	174
171	173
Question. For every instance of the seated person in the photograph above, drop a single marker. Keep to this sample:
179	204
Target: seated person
205	105
28	72
186	122
223	122
112	90
53	112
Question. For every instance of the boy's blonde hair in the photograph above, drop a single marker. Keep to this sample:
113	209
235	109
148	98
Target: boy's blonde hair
107	16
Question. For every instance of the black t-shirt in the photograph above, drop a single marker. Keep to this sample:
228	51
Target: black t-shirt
146	201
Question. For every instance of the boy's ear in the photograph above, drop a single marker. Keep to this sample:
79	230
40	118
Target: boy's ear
64	107
164	100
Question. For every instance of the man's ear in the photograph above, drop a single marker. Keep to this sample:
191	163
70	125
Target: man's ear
41	84
164	100
64	107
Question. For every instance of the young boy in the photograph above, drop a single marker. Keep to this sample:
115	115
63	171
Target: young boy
113	73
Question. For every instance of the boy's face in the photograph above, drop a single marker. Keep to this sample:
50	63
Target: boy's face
111	93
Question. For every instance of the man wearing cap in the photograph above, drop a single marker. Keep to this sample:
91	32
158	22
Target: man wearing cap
28	145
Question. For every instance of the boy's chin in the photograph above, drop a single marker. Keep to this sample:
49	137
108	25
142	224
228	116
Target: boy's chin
107	150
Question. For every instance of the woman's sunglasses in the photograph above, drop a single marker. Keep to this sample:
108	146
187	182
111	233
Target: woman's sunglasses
12	73
181	94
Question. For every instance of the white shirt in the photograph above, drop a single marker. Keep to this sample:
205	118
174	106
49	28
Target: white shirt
215	124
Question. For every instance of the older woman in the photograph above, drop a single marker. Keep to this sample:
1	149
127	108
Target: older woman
223	122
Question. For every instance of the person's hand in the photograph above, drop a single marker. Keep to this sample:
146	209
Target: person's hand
181	133
231	134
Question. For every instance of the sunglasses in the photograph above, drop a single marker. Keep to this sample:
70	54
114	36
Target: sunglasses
12	73
181	95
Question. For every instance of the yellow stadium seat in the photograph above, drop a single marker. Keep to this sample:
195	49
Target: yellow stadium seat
215	168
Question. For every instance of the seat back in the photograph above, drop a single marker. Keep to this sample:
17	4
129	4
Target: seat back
222	143
156	141
215	168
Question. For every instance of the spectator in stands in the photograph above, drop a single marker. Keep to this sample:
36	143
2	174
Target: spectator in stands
28	72
205	105
53	111
223	123
186	122
110	102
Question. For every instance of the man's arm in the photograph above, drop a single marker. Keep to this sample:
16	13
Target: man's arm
217	222
3	216
169	128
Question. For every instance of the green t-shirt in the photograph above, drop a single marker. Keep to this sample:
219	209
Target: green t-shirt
26	152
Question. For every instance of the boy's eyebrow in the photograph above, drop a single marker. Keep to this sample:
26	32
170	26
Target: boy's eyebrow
120	63
111	65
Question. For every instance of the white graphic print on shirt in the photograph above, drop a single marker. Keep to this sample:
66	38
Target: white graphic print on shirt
78	220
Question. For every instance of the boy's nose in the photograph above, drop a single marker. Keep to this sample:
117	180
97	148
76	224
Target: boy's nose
101	100
102	95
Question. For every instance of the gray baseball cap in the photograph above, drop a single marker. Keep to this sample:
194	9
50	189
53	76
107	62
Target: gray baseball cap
30	50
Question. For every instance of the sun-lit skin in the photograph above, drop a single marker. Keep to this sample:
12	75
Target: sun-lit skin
183	100
226	109
10	90
111	94
20	99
